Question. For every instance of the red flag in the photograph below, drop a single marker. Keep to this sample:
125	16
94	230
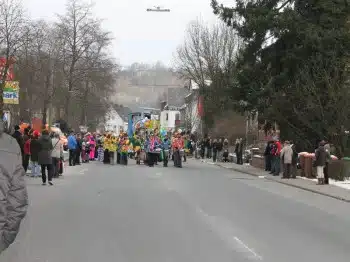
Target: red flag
10	75
200	106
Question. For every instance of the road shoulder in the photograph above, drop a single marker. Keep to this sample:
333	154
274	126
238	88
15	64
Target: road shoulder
308	185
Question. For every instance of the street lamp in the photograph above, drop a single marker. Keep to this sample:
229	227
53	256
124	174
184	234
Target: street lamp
157	9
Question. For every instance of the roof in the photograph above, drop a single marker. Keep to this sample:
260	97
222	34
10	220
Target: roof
176	97
122	111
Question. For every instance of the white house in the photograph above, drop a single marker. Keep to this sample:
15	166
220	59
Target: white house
169	119
114	122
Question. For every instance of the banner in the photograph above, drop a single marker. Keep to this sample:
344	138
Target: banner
10	74
37	124
11	92
200	106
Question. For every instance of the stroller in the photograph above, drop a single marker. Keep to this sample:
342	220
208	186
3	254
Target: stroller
85	154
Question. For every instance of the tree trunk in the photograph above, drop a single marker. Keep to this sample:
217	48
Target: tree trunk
45	112
1	100
85	104
66	108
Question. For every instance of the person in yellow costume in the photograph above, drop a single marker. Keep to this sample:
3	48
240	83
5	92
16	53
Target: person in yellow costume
136	145
124	144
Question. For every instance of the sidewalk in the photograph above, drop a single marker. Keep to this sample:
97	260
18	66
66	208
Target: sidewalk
335	191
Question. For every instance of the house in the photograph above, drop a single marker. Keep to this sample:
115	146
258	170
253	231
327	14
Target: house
117	119
170	116
190	111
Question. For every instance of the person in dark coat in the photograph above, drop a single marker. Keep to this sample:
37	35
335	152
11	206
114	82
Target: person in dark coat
79	149
26	153
44	156
215	150
320	162
34	154
268	156
19	138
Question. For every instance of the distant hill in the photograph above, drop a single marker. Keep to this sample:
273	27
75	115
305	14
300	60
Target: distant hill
144	85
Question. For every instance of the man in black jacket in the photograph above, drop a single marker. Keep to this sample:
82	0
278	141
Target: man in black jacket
79	149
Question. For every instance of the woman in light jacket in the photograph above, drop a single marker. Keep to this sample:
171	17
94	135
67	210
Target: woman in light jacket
57	154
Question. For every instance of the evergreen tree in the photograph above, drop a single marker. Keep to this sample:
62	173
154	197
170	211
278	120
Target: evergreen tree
293	67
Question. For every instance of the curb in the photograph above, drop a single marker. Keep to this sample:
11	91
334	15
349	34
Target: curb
285	183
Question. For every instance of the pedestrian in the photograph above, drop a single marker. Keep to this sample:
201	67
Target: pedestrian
210	148
34	154
327	147
26	148
220	147
13	193
268	156
78	149
19	138
57	154
320	162
276	161
226	149
72	147
239	151
26	152
44	157
286	156
215	150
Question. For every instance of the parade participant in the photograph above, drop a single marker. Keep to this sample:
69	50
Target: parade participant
100	151
152	144
124	150
108	146
136	144
85	152
92	143
166	145
177	146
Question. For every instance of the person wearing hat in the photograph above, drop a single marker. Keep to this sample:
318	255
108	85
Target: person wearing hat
34	154
320	162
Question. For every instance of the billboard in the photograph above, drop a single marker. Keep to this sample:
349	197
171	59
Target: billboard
11	93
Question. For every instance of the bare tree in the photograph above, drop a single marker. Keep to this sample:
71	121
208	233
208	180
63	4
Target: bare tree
77	29
206	51
12	30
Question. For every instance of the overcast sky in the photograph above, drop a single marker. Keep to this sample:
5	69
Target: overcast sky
139	36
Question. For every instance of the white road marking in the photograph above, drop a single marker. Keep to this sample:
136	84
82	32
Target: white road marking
225	231
261	176
248	248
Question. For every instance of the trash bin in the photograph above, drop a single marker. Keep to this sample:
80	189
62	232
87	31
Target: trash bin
302	163
308	166
346	168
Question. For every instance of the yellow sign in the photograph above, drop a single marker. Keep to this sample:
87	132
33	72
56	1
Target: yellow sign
11	92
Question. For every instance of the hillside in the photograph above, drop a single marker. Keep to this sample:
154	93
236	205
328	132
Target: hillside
144	85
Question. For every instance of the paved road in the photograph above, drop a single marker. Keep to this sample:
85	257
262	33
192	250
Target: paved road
199	213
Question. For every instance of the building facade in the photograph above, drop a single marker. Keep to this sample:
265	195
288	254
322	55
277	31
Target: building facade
115	123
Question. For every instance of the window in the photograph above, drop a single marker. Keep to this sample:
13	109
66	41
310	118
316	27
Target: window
166	116
177	116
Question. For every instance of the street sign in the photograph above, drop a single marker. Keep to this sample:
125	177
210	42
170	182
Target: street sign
11	93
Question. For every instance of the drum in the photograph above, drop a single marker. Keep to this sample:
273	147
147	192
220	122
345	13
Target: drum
182	152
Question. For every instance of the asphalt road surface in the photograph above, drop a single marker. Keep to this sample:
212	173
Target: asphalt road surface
200	213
